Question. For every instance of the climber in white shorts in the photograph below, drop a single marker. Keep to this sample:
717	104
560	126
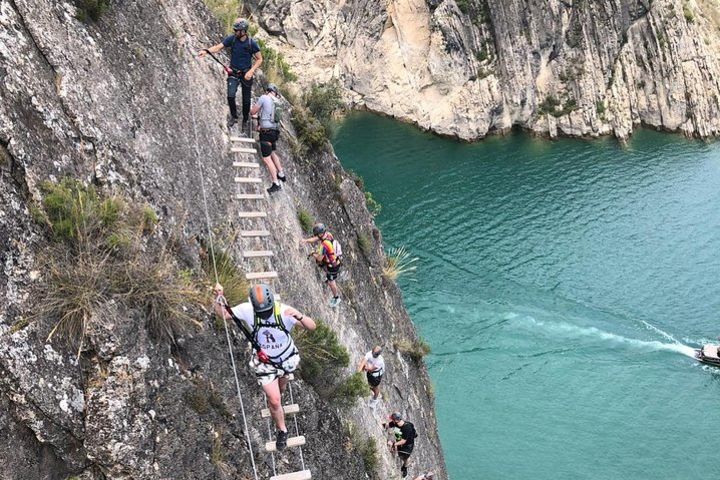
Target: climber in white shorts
267	324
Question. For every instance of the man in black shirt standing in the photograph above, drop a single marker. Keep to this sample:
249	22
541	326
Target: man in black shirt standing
245	58
404	439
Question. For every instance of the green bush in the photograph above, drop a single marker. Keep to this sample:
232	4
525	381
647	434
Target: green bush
364	243
416	349
312	135
369	452
321	352
688	14
91	10
600	107
353	387
372	205
324	100
274	65
306	220
549	105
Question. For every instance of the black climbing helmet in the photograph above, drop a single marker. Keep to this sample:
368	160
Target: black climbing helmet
395	416
261	297
319	229
241	24
272	88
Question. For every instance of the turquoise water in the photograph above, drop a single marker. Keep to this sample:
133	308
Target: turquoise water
561	285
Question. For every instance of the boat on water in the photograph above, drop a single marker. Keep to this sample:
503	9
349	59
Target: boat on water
709	354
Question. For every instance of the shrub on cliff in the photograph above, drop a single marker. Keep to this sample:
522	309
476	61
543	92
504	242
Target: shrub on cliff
88	10
104	249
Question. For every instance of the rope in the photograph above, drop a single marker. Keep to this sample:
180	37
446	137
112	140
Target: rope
217	280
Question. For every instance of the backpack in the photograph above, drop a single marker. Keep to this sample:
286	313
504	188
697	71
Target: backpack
277	111
338	249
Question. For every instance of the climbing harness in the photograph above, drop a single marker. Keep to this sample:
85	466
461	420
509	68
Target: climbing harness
252	337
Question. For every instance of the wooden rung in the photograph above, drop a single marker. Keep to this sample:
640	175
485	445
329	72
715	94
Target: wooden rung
249	196
260	275
254	233
257	253
242	150
252	214
291	442
302	475
246	164
242	139
248	180
288	409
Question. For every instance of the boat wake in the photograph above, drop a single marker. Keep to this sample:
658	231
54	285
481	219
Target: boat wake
570	330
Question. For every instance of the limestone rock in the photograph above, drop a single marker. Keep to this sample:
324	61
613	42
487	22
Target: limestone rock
468	68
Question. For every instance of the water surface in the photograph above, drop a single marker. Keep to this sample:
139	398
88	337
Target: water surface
560	285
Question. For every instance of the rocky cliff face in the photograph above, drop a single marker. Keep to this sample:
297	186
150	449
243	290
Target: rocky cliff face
467	68
122	103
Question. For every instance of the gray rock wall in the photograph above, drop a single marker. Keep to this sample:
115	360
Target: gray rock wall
467	68
119	103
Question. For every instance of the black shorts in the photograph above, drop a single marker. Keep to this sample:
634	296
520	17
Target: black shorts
331	273
373	380
268	140
404	451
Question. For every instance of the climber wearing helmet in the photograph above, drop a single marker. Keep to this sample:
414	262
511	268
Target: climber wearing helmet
245	58
267	324
327	255
268	107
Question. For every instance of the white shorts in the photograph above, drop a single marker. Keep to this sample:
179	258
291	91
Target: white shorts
267	373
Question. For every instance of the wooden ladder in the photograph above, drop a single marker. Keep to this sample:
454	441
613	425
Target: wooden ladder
244	146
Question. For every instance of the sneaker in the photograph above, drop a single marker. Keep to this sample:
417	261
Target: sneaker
403	471
281	440
231	121
244	127
335	301
373	403
281	177
274	188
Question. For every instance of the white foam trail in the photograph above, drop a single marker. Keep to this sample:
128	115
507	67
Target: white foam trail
575	331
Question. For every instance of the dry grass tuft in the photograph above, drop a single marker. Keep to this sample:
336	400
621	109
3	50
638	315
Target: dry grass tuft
104	250
398	263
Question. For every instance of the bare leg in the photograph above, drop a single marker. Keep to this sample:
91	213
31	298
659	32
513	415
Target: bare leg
276	161
272	391
271	168
283	384
376	392
333	288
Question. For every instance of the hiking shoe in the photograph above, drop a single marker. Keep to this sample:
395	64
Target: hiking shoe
335	301
244	128
403	471
274	188
281	440
281	177
231	121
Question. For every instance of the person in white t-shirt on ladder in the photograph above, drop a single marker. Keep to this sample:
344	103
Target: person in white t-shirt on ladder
374	366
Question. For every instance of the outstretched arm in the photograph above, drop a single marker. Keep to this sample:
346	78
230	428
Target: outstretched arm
213	49
363	362
304	321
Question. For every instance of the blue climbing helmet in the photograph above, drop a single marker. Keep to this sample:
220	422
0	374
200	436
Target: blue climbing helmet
261	297
241	25
319	229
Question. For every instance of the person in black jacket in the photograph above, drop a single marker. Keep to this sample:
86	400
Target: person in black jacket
404	439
